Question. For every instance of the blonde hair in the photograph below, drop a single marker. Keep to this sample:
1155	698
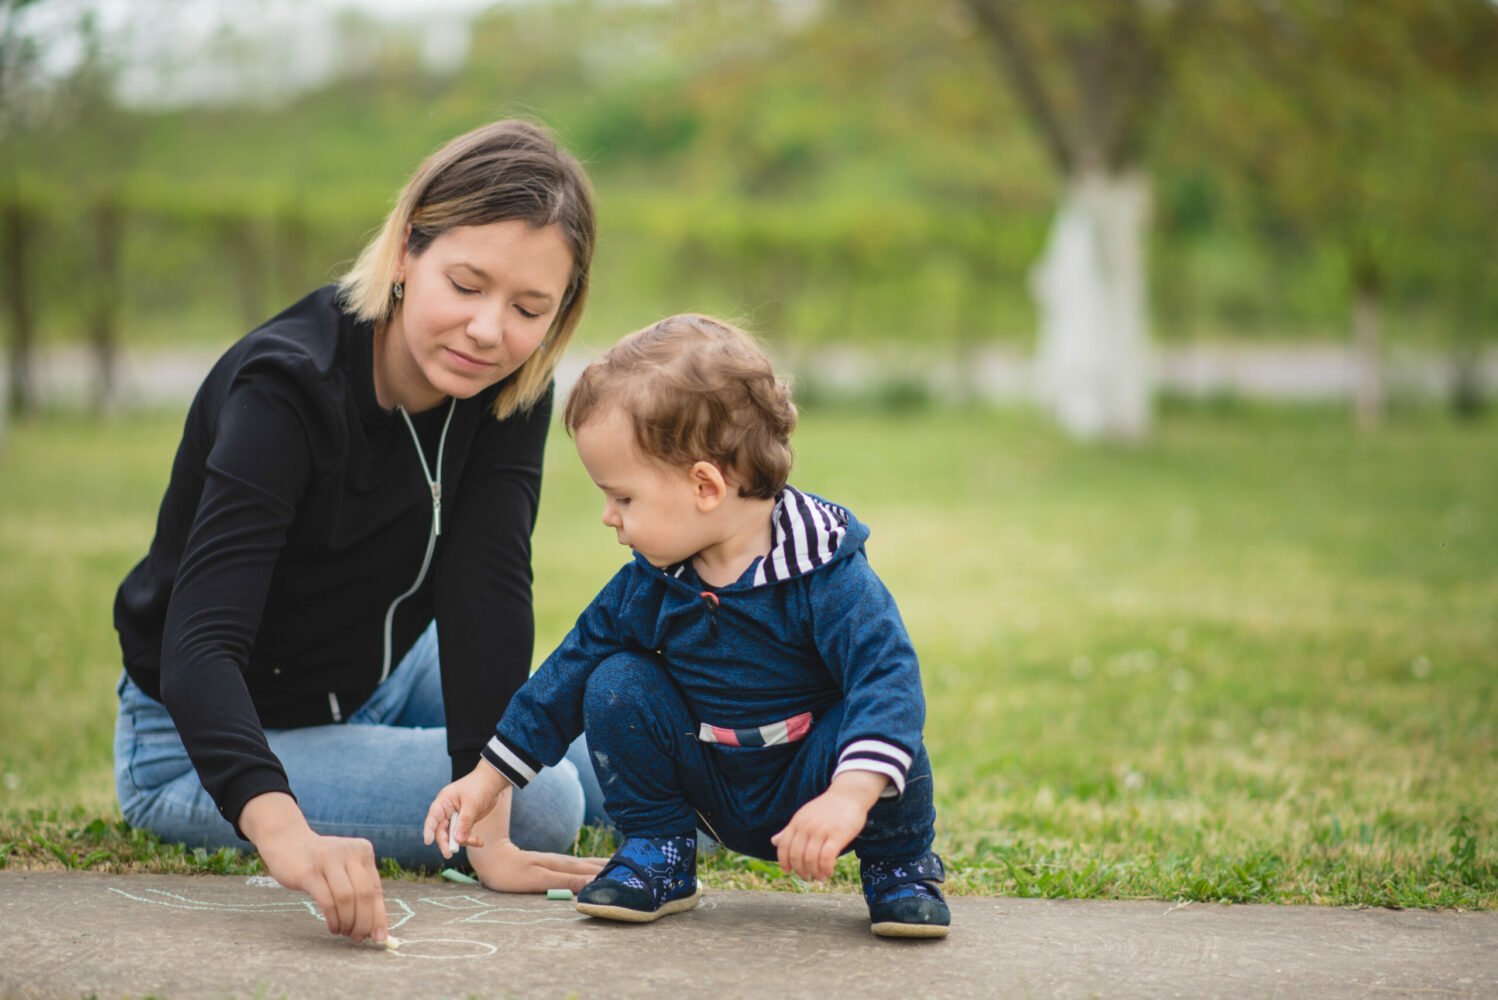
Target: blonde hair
695	388
503	171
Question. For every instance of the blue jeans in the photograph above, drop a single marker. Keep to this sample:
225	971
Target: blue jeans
373	776
659	780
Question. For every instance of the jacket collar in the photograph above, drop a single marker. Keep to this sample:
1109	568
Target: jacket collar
805	533
358	341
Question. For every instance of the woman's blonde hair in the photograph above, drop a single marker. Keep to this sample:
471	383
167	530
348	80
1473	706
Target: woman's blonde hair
696	389
503	171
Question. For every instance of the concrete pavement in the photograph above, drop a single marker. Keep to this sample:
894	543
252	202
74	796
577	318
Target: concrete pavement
71	934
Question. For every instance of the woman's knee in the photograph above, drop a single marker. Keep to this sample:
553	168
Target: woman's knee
179	812
133	805
548	812
594	813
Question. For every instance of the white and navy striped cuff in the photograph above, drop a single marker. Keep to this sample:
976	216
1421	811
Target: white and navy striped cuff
514	764
879	757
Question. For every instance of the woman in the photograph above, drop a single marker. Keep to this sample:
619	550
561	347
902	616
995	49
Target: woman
351	506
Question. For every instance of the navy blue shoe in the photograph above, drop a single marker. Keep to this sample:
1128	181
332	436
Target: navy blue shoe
647	878
903	898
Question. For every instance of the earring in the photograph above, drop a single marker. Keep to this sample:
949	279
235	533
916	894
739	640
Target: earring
398	290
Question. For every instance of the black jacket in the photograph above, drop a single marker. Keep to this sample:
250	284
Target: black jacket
297	514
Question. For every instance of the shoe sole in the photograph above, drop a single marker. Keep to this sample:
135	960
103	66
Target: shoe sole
893	930
629	916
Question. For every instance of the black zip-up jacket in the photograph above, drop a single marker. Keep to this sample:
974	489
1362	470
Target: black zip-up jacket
297	514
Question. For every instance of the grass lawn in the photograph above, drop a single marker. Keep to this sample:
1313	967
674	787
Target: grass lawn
1254	660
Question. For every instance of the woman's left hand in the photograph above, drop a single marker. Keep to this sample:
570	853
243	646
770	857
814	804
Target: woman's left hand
502	866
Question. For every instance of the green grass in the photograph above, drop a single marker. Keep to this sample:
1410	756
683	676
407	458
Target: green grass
1253	660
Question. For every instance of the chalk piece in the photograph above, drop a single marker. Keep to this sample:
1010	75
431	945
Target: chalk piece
453	875
558	893
452	834
392	942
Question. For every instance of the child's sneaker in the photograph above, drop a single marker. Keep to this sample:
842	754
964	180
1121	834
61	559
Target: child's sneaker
647	878
903	898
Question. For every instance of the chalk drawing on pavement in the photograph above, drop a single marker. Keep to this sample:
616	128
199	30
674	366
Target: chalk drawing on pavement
484	912
395	909
449	911
443	948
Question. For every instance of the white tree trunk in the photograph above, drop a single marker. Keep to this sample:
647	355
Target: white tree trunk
1093	364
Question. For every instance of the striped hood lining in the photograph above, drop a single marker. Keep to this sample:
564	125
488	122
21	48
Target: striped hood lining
806	532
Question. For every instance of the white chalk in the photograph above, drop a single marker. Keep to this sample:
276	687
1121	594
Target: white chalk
452	833
392	942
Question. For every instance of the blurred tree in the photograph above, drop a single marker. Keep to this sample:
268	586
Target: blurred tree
1467	265
831	171
1368	126
860	182
42	117
17	232
18	54
18	61
85	102
1090	76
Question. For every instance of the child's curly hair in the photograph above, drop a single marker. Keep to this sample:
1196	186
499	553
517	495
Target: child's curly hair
696	389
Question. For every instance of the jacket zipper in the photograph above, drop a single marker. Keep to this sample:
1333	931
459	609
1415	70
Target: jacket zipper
434	483
711	600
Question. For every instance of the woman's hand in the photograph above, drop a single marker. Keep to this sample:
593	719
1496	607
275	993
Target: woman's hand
504	867
337	872
464	802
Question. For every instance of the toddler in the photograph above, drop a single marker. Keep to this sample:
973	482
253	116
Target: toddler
747	673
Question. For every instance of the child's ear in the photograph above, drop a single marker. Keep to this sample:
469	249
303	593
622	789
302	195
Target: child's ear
709	486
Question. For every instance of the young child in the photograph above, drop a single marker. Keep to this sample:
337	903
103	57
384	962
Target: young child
747	673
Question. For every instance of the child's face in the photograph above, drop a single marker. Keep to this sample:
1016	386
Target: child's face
652	508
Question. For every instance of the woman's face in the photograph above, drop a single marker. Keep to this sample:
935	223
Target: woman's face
477	303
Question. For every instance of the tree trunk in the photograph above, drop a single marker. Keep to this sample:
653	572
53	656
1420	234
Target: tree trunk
1093	365
1466	380
104	321
1368	387
237	236
292	237
18	230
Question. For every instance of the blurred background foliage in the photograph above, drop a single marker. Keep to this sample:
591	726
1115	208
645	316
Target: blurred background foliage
827	171
1249	659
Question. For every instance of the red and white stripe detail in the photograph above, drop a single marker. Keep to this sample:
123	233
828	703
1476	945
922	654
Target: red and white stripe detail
791	730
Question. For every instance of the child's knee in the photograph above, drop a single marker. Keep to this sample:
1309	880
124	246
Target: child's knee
623	683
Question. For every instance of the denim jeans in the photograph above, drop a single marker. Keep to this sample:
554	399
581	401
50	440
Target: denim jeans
659	780
373	776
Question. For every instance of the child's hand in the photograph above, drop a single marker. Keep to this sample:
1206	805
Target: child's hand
469	799
811	842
